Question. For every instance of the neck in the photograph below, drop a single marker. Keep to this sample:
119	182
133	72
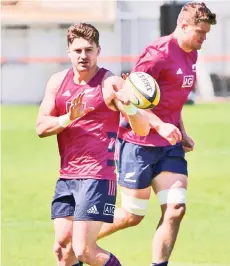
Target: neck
179	37
84	77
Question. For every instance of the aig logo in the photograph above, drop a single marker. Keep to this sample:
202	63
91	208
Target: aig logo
109	209
188	81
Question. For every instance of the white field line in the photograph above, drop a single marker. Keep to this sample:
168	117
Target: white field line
195	264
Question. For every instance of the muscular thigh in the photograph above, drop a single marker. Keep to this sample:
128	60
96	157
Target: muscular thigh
137	193
170	180
136	165
63	228
171	169
85	233
167	180
135	201
63	203
170	189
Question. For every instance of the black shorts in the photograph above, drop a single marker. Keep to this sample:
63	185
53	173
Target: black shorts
85	199
138	165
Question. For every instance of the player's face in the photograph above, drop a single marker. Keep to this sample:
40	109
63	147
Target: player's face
196	35
83	54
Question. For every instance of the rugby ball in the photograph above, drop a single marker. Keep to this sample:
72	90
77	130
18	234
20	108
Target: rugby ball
143	90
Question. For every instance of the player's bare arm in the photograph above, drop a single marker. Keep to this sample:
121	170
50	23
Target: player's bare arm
168	131
48	123
187	142
118	100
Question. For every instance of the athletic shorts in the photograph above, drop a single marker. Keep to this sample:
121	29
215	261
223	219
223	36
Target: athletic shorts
137	165
85	199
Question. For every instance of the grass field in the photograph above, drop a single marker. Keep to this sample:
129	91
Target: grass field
30	169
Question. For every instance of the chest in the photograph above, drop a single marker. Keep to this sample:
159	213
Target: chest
176	81
93	97
179	73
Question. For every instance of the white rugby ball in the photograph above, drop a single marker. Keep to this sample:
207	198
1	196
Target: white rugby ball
143	90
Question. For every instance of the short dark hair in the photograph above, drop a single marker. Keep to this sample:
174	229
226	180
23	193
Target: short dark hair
83	30
195	12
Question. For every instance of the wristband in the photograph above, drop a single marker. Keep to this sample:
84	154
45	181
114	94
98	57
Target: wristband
130	109
64	120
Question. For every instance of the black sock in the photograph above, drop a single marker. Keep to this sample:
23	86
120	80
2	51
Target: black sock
113	261
160	264
78	264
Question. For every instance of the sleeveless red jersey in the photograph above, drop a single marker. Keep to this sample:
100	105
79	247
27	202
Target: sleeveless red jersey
86	146
175	72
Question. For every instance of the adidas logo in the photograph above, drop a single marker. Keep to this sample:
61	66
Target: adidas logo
194	67
93	210
179	71
88	90
66	93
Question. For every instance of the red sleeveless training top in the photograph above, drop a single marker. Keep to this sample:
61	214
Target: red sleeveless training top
86	146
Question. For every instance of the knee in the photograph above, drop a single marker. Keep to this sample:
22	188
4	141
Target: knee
175	213
62	248
131	219
57	250
134	210
83	253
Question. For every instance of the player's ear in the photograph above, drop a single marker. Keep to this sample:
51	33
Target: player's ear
68	51
184	25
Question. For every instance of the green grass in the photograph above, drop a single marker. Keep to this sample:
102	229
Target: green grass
30	169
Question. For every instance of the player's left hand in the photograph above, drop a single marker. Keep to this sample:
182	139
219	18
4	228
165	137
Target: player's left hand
77	108
187	143
121	95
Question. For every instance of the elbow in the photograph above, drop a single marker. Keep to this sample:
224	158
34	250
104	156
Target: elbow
41	133
41	136
143	133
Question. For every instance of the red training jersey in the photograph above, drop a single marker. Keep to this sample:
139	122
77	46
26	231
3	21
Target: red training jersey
175	73
86	146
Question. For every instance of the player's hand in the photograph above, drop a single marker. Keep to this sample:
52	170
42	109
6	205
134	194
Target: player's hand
77	108
187	143
125	75
168	131
121	95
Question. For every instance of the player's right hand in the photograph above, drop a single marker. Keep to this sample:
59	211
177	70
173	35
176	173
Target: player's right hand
77	108
125	75
121	95
170	132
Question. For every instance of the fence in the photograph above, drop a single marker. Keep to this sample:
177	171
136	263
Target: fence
31	53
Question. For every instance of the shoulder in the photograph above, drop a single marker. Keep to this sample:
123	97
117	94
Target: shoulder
157	50
58	77
111	79
107	75
162	41
56	80
154	56
163	45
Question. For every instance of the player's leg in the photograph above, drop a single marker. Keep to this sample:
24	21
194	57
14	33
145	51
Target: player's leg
134	203
85	247
63	206
134	177
170	188
63	241
95	201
